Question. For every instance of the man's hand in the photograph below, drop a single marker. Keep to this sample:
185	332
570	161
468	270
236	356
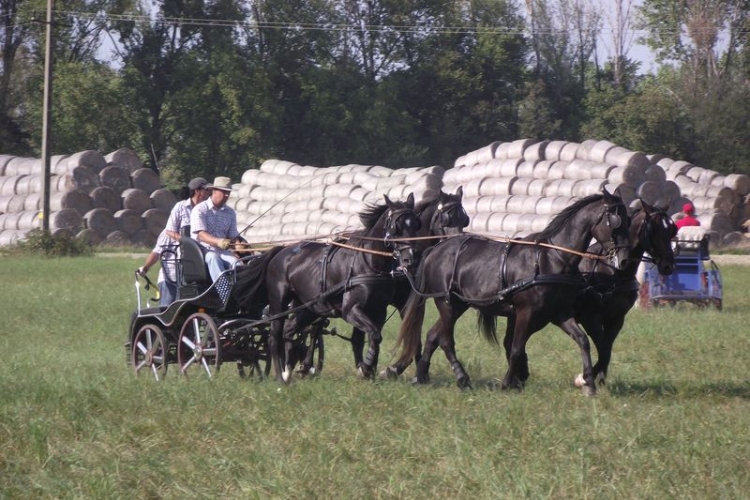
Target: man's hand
224	243
142	270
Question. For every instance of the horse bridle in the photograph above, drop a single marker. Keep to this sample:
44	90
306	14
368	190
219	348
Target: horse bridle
390	225
614	222
443	216
644	233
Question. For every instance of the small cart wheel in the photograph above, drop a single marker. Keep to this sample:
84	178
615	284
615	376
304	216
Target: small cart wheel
150	352
255	354
198	349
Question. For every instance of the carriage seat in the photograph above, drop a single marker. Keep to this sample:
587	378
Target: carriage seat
193	276
693	240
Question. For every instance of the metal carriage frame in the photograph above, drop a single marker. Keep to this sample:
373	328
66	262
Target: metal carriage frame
204	328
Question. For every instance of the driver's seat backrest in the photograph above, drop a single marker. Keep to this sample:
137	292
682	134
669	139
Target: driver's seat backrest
192	262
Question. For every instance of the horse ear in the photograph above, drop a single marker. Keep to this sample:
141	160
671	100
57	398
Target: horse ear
607	196
460	192
388	201
410	200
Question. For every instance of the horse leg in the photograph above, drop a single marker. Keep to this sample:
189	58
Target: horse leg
517	334
293	328
604	343
358	345
431	344
357	318
522	359
449	314
570	327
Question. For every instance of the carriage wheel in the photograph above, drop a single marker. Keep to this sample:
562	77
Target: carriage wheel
198	349
255	355
150	352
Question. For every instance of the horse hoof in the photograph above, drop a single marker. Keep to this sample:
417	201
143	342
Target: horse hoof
464	383
588	391
364	372
286	375
579	382
390	373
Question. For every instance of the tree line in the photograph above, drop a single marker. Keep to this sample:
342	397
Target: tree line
208	87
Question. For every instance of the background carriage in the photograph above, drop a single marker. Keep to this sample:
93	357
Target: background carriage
696	279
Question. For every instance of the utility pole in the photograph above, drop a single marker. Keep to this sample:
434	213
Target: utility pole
46	113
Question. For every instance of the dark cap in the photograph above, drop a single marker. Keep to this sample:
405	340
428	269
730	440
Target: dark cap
197	183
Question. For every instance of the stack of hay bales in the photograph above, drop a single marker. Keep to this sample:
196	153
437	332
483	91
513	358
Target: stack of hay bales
108	199
284	201
515	188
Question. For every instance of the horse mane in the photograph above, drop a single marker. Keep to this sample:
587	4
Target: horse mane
371	214
560	221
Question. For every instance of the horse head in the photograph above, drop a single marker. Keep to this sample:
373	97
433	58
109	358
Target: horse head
444	215
655	234
612	230
401	226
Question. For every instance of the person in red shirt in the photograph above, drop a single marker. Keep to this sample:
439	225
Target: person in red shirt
689	219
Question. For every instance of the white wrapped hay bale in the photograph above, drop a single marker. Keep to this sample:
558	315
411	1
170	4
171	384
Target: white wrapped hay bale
12	203
517	147
124	158
9	185
80	178
23	166
553	149
599	150
28	220
535	152
740	183
4	160
569	152
32	201
11	236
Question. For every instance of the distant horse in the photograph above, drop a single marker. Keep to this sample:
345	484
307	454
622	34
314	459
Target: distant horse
611	293
354	281
531	283
441	217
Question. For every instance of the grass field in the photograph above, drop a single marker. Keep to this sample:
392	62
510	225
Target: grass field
75	423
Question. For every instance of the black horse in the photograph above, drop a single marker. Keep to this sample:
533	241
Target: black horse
611	293
531	283
441	217
353	281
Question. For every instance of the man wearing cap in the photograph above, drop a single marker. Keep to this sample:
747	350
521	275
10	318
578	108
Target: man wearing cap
214	225
689	218
179	217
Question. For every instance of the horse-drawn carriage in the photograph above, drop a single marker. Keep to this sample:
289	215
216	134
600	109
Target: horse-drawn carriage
696	279
241	318
205	327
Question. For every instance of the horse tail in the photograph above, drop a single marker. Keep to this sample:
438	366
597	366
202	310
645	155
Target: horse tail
250	289
487	323
412	318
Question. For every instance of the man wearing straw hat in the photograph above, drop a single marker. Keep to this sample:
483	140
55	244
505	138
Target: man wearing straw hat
214	225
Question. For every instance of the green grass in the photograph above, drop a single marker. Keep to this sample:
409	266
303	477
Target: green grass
75	423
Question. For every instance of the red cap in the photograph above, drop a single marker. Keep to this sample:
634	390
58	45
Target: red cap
687	208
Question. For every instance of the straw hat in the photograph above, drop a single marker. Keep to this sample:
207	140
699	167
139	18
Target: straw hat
221	183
